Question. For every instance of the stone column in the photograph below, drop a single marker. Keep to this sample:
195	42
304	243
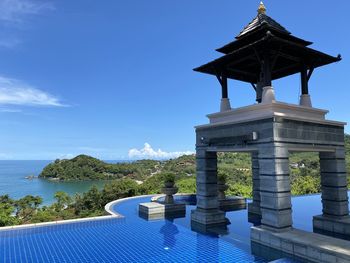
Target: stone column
335	218
225	101
305	98
254	207
207	212
275	189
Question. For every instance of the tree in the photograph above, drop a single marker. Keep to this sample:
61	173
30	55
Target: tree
187	185
6	211
89	201
27	206
118	189
63	200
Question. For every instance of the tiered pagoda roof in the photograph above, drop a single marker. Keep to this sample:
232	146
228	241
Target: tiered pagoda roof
263	35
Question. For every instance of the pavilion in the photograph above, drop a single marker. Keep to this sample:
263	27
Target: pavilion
262	52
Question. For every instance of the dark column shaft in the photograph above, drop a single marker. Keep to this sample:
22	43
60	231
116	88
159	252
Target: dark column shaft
224	89
266	70
304	81
259	90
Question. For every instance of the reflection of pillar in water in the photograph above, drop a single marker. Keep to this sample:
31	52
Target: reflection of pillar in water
207	248
169	231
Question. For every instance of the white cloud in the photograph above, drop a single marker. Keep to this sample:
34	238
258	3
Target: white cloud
15	15
15	92
147	152
9	110
14	11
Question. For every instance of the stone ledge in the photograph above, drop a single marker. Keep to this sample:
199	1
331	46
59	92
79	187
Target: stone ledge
110	205
310	246
60	222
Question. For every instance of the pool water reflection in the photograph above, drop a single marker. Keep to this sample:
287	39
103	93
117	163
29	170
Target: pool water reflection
238	231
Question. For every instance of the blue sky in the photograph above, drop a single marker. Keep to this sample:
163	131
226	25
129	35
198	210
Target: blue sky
104	77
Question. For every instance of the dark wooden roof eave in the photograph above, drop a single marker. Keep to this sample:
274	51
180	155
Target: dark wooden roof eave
230	56
313	57
309	50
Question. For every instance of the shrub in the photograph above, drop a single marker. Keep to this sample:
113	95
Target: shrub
169	178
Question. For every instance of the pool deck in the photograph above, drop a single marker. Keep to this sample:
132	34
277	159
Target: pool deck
108	209
310	246
59	222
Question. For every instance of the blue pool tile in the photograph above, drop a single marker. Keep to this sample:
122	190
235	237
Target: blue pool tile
131	239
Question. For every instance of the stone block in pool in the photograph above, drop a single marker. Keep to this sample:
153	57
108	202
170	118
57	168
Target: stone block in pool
157	210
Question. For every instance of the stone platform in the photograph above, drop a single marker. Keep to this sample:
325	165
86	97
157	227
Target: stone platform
335	227
262	111
157	210
304	245
232	203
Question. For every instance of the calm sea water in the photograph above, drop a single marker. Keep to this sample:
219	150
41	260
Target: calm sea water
14	183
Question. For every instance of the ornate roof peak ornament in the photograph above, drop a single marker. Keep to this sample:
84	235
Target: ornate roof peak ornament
262	8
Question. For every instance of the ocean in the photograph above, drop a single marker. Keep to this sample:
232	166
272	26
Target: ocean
14	183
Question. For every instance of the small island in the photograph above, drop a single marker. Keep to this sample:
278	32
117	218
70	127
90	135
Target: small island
84	167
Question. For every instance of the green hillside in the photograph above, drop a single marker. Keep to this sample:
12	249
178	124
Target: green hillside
304	170
84	167
145	177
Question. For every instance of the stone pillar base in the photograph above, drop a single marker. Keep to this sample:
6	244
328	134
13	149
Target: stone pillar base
254	214
232	203
215	230
268	95
338	227
254	209
208	218
225	104
305	100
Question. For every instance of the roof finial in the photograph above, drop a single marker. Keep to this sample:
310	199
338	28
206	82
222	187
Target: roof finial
262	8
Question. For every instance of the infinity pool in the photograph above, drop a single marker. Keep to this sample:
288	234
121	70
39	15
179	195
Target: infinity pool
133	239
